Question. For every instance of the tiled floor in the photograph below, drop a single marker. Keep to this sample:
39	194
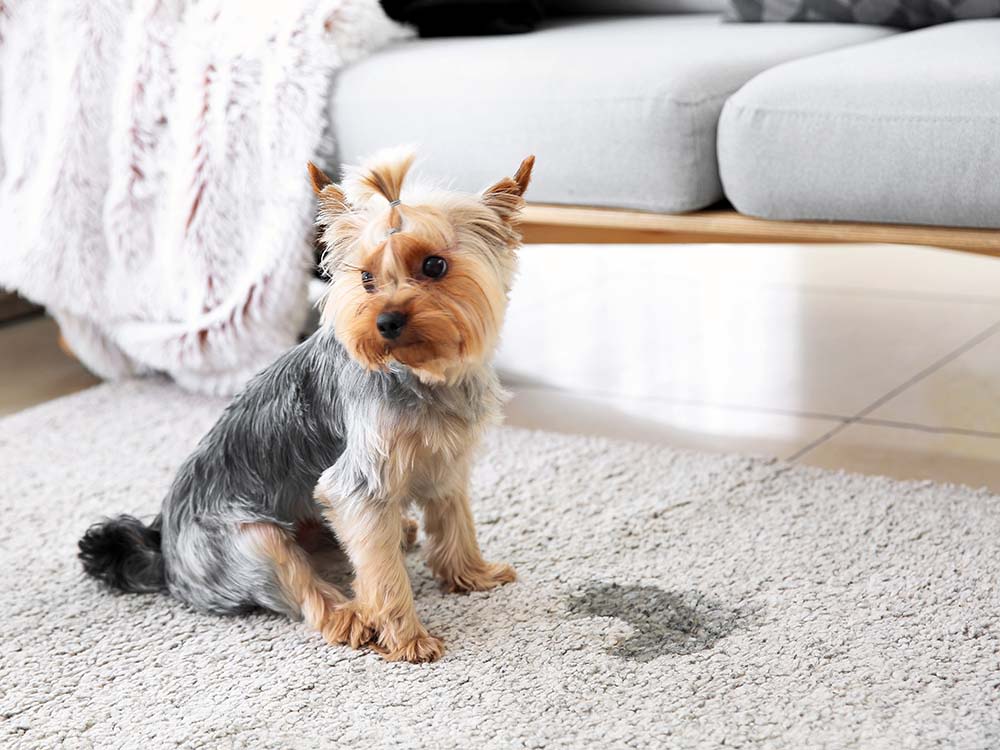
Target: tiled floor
877	359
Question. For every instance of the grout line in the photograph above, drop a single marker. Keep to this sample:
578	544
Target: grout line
818	441
950	357
547	388
927	428
844	421
860	416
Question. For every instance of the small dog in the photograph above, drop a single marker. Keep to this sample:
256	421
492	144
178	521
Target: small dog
379	410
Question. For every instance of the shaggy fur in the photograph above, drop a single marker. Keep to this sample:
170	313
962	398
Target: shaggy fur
350	428
150	187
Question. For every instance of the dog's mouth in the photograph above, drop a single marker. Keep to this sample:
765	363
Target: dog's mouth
416	348
410	352
404	342
418	354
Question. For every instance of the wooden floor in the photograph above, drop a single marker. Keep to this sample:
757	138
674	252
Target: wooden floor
872	358
33	368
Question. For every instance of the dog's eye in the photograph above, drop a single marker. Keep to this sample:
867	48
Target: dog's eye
435	267
368	281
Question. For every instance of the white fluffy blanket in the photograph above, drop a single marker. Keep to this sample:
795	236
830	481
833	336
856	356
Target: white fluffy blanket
152	152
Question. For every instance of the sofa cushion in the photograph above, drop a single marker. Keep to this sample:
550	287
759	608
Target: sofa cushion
903	130
905	14
621	112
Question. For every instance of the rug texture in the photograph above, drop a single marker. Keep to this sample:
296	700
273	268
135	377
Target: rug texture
666	599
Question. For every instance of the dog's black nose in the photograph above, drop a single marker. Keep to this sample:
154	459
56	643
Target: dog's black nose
390	324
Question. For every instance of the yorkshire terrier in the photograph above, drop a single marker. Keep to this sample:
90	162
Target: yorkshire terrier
379	410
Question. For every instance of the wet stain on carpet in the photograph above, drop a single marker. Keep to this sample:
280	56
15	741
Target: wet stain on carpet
663	622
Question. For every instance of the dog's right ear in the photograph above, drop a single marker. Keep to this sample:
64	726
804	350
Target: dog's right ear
331	199
506	196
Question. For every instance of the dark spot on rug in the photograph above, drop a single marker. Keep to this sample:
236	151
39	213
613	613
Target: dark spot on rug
663	622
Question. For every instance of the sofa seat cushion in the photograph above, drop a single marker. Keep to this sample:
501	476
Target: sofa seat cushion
621	112
903	130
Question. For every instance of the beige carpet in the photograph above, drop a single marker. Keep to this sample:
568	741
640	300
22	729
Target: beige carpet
667	599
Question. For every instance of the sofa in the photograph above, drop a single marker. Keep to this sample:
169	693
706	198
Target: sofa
684	127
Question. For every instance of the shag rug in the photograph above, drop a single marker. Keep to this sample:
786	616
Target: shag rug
666	599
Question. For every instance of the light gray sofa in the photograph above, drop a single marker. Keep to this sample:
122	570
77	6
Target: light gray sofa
675	113
902	130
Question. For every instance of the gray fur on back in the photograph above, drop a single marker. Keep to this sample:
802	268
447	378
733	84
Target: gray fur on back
262	459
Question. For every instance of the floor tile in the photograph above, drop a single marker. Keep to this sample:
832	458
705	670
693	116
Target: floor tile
963	394
911	454
33	368
614	320
681	425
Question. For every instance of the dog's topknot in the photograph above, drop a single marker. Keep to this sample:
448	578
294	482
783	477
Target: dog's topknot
380	176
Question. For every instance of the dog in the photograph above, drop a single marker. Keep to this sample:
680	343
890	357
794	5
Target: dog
378	411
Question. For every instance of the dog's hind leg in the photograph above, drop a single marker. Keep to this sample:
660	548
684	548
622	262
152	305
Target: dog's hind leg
294	586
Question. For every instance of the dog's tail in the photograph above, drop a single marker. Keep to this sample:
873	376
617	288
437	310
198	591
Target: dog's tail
124	554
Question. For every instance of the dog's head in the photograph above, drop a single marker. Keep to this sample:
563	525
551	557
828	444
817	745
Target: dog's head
421	278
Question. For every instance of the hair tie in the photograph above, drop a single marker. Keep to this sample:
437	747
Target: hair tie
395	202
392	230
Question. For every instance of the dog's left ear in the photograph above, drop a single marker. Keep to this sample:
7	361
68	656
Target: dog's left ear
331	199
506	196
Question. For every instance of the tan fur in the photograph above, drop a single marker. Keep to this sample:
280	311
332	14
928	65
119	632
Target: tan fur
452	550
302	586
454	321
429	464
410	529
318	178
382	609
505	197
330	198
452	327
382	175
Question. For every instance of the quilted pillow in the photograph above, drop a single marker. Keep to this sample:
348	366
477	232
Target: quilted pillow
905	14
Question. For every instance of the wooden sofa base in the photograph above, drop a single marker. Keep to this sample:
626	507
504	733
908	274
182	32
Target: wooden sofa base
570	224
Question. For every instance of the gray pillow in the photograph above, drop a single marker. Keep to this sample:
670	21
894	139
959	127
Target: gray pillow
905	14
625	7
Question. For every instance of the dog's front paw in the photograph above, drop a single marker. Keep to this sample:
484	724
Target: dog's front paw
410	528
345	625
480	578
422	648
